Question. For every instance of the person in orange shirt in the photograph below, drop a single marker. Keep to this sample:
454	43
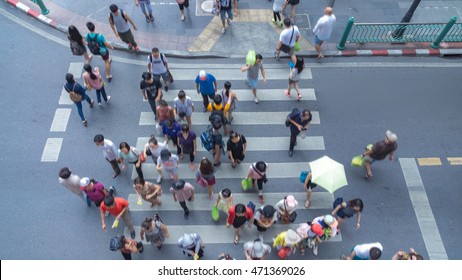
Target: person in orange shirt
117	207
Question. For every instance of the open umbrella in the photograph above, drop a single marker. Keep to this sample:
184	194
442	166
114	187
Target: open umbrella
328	173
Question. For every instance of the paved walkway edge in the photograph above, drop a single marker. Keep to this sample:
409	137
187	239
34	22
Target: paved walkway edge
186	54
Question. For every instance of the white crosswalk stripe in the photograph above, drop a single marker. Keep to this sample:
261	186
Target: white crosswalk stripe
228	74
240	118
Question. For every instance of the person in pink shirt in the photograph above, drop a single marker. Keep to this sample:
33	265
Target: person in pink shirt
257	172
93	79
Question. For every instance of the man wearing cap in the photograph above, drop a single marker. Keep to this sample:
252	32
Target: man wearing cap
264	218
286	209
95	191
380	151
368	251
206	85
192	245
183	191
118	207
256	250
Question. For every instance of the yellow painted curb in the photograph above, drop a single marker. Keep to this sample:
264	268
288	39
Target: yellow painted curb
455	160
429	161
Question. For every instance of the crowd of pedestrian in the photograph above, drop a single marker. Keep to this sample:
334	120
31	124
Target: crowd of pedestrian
175	123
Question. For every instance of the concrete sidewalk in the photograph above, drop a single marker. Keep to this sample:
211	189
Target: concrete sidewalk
200	34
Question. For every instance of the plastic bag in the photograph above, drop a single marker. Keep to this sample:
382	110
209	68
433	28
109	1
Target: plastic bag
246	184
251	58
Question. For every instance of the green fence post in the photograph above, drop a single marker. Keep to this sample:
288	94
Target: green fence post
443	33
42	6
341	44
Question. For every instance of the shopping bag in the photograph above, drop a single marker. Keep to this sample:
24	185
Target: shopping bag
215	213
297	46
246	184
357	161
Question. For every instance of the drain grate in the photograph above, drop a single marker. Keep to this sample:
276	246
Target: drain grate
302	21
204	7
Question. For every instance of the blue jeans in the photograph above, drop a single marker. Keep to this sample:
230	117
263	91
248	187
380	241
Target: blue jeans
100	92
224	12
145	4
79	105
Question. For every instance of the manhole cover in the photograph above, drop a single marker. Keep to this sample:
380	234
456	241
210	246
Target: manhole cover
204	7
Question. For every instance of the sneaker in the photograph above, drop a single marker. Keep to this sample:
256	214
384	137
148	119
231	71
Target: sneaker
109	78
108	98
275	22
137	49
299	96
166	88
276	55
182	17
99	104
151	18
256	100
113	190
287	93
92	103
85	122
159	179
223	30
148	19
229	21
130	46
291	153
133	234
315	249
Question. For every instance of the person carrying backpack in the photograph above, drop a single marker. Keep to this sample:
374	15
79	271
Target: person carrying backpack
98	46
218	111
298	122
118	20
158	66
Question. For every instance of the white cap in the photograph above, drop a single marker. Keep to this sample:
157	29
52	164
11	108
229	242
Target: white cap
85	181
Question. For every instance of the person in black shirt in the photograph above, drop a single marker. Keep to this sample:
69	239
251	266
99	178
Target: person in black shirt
298	122
236	147
151	88
380	151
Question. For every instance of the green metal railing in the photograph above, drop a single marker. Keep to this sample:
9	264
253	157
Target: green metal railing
401	33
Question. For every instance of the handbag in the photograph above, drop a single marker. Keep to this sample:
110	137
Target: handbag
297	46
215	213
303	175
75	97
292	216
357	161
246	184
284	252
201	181
286	48
76	48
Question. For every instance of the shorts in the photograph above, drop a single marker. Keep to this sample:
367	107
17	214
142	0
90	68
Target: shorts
292	51
368	159
252	83
164	76
317	41
106	56
211	181
292	81
224	12
294	2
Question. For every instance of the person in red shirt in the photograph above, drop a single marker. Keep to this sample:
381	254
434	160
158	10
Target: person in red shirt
117	207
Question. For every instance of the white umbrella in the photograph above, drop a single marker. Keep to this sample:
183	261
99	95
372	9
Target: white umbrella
328	173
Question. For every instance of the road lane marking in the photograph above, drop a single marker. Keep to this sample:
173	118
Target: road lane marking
422	209
455	160
75	68
52	150
64	98
433	161
60	120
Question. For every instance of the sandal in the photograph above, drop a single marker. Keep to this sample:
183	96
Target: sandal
286	92
307	203
115	175
236	239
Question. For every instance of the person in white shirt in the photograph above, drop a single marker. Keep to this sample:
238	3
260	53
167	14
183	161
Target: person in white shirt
323	29
368	251
153	149
110	152
289	36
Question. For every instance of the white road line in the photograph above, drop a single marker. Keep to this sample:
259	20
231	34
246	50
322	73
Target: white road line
225	171
52	150
220	234
422	209
60	120
240	118
308	94
75	68
64	98
319	200
310	143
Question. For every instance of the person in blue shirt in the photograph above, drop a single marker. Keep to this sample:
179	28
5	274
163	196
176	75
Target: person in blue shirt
170	130
206	85
299	121
72	85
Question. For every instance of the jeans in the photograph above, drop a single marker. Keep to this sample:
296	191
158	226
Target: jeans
79	105
145	4
100	92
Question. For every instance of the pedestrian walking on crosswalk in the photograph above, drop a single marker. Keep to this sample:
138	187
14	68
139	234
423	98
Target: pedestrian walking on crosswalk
153	149
257	172
118	20
366	251
206	172
183	107
228	94
224	200
126	246
110	152
98	46
93	80
77	43
155	231
286	243
158	66
294	77
256	250
132	155
206	86
147	191
95	191
219	109
252	74
308	185
183	191
191	245
329	229
151	89
117	207
163	112
70	181
379	151
169	163
286	209
345	210
238	215
77	94
187	142
236	148
170	130
299	121
264	218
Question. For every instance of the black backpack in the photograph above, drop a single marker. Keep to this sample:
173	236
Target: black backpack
93	44
217	115
294	111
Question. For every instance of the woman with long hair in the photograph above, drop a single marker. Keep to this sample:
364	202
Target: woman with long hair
93	79
77	43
